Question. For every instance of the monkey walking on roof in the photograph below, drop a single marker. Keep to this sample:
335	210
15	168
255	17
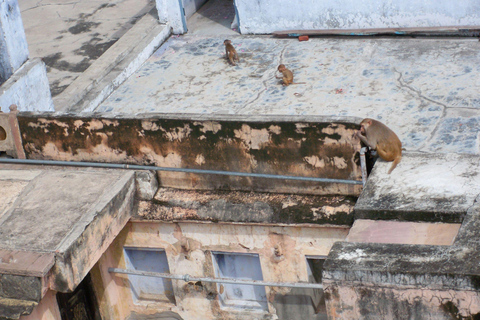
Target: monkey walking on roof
232	55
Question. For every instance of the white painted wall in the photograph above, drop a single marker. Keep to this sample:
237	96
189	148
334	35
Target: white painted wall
28	88
170	12
13	43
267	16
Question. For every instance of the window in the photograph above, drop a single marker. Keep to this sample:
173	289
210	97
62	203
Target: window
149	288
240	266
315	269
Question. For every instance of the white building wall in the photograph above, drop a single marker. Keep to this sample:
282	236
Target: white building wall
266	16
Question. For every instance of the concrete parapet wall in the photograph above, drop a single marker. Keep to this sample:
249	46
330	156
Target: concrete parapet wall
28	88
317	148
266	16
247	207
423	187
394	281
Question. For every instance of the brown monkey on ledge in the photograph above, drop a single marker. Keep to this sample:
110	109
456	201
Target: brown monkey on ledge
232	55
379	137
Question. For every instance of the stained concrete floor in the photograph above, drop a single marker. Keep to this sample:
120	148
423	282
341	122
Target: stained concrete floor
70	35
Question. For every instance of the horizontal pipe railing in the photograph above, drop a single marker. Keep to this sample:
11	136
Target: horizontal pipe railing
185	170
188	278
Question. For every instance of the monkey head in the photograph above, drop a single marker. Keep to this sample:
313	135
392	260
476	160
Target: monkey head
364	125
281	67
227	41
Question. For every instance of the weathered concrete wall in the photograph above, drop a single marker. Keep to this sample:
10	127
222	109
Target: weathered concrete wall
13	43
247	207
171	13
397	302
28	88
317	149
188	247
423	187
273	15
378	281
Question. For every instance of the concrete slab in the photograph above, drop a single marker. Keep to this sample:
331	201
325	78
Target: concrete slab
68	216
26	263
403	232
424	89
423	187
13	183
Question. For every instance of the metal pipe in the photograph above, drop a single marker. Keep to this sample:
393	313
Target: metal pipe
363	165
198	171
188	278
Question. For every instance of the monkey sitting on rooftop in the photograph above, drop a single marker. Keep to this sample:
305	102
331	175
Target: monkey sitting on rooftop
382	139
287	76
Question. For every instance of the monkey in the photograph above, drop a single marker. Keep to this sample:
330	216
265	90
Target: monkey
232	55
379	137
287	76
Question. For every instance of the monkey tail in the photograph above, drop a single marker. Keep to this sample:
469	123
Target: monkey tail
298	83
394	164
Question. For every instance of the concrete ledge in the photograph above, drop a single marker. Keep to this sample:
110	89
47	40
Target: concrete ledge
94	233
25	263
28	88
403	232
114	66
423	187
247	207
64	239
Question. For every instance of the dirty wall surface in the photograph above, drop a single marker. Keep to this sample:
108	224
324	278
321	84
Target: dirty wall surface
189	248
273	15
324	149
426	90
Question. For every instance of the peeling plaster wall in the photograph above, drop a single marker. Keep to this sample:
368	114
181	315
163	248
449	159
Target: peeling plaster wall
247	207
200	239
267	16
327	149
